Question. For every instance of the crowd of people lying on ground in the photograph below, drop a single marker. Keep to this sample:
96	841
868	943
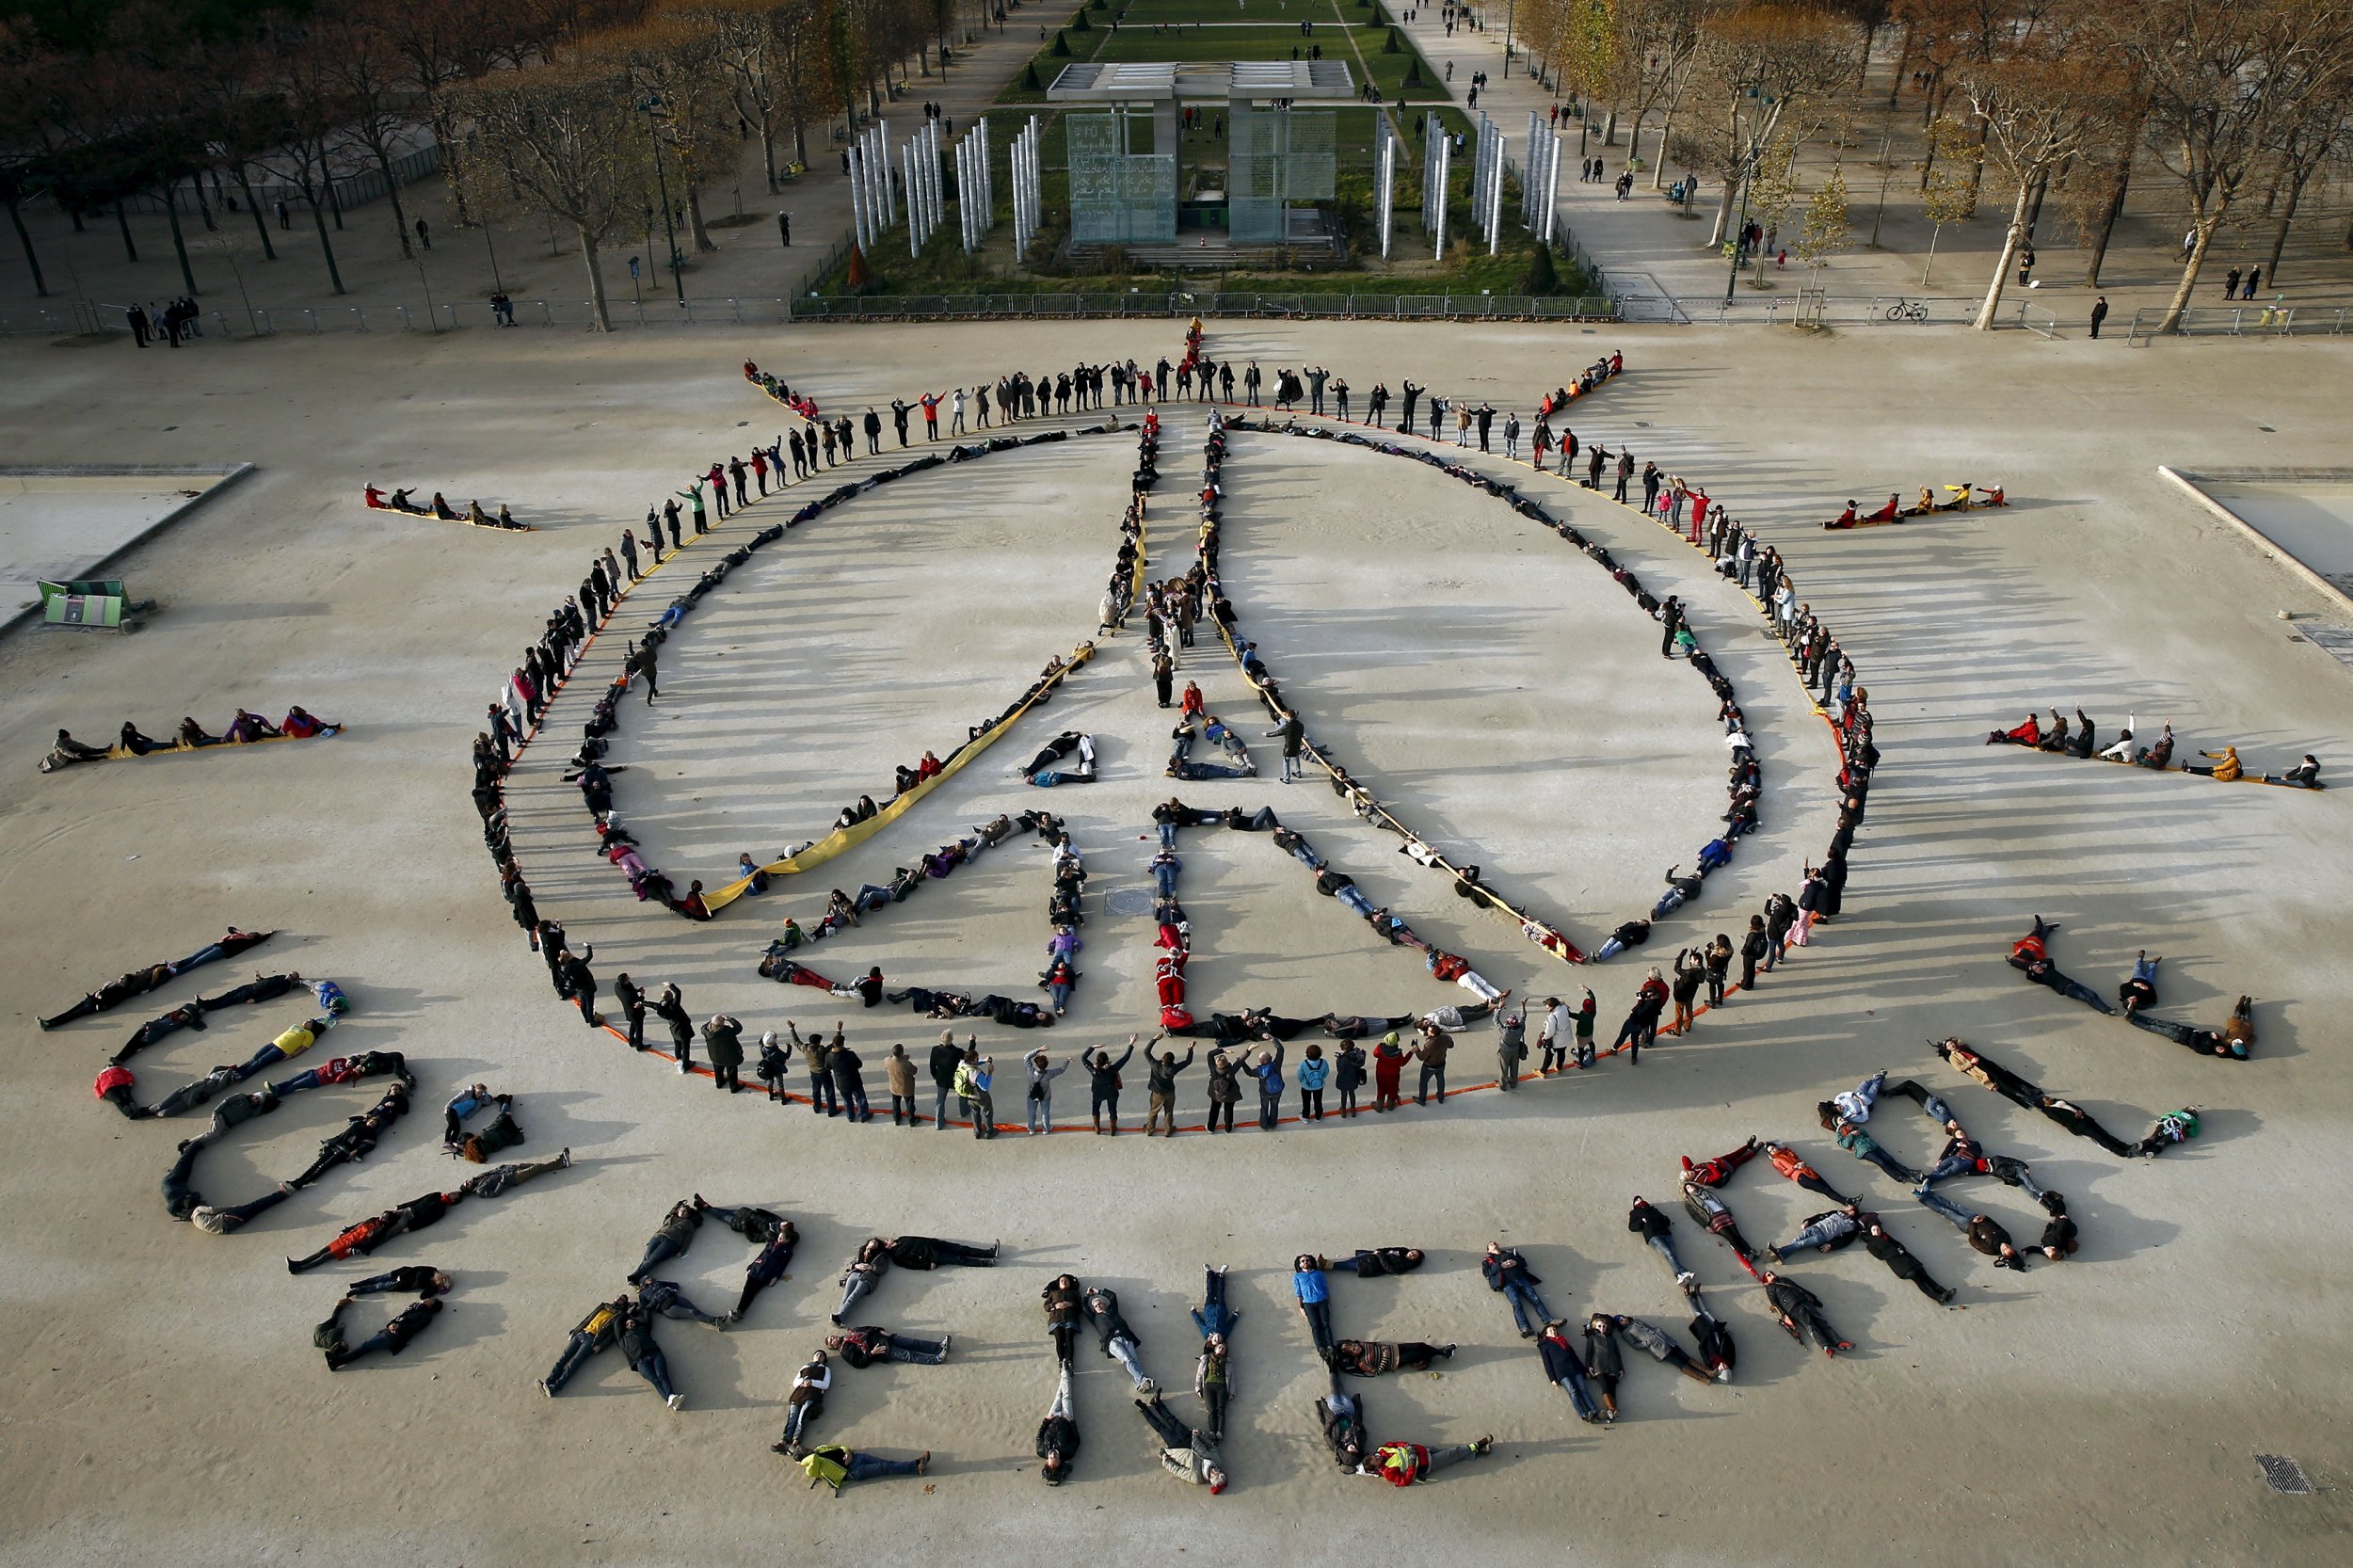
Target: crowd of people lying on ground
401	501
1965	498
2030	955
1812	649
431	1284
2082	741
523	698
298	724
628	1321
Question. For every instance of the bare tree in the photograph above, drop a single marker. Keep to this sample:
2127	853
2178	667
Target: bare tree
2225	83
443	42
1766	64
748	49
566	136
673	64
365	60
312	116
2041	105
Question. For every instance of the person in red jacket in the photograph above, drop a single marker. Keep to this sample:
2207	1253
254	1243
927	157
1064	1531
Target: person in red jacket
2027	734
1792	1164
1716	1172
1388	1065
1404	1464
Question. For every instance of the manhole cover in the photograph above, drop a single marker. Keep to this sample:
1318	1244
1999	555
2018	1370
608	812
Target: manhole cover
2284	1475
1128	901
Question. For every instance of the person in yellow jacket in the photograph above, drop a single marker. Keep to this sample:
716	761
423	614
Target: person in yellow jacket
2226	767
837	1465
288	1045
592	1334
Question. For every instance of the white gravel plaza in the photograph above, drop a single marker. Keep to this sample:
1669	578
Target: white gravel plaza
1486	681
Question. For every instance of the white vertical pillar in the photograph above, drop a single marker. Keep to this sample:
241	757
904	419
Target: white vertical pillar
915	217
1388	187
1495	197
1430	135
1552	188
1438	226
1482	162
1534	178
862	182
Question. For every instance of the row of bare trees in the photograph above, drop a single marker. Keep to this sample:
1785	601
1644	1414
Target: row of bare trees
2240	107
589	112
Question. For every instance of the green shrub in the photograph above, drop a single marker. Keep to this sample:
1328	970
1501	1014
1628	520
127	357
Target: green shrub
1079	23
1392	46
1061	47
1412	75
1028	78
1541	276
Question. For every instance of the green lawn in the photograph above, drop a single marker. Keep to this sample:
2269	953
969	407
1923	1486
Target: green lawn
1189	30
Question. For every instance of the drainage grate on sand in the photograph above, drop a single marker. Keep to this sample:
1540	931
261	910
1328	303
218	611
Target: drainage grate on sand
2284	1475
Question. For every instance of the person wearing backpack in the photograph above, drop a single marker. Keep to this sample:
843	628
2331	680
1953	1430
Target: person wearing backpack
1404	1464
1511	1049
837	1465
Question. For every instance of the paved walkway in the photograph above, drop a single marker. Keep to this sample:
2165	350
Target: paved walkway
1642	242
519	254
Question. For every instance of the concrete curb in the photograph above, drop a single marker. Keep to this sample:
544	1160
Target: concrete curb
222	480
2188	481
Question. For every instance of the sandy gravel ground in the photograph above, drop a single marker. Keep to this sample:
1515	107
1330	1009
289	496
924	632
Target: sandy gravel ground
165	1405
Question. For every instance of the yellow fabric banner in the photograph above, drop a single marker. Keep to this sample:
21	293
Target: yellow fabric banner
842	838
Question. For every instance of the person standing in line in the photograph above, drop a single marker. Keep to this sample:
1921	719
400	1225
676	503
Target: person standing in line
1349	1075
580	985
723	1042
1041	1095
671	1007
1161	1081
822	1101
1553	1036
947	1060
633	1005
842	1066
1293	734
1388	1071
1511	1049
979	1074
1268	1070
1104	1085
899	1068
1314	1072
1432	1052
